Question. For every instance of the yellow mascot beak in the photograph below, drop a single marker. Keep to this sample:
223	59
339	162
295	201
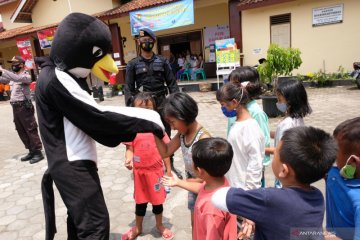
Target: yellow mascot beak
104	68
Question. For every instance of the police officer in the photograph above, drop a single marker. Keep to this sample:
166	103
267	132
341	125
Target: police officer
150	72
23	109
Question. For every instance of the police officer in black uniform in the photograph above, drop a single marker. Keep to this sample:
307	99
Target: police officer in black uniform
149	73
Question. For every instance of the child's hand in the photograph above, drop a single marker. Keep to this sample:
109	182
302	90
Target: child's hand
247	228
170	181
128	164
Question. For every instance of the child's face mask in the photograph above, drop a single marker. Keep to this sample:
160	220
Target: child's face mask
348	171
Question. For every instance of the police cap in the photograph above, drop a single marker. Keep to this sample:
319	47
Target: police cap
146	32
16	60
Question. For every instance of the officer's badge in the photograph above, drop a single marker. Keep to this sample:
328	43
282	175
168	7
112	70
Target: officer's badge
141	33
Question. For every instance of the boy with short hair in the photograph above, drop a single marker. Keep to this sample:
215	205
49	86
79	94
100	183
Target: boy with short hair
303	156
343	183
212	158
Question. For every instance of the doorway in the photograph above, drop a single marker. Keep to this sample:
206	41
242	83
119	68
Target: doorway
180	44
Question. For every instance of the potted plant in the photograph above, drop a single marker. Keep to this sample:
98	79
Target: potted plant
279	62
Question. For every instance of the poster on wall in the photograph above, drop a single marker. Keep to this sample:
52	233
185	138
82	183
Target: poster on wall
167	16
211	34
225	44
24	46
328	15
46	37
228	57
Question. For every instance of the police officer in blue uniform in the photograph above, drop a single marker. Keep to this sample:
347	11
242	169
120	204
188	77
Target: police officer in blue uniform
150	72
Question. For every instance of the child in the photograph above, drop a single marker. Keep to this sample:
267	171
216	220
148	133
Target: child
293	102
245	137
212	159
302	157
249	78
143	157
180	111
343	183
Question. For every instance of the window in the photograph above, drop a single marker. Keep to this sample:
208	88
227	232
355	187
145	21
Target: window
280	30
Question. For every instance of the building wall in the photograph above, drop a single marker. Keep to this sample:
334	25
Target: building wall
324	47
6	12
8	49
48	12
205	16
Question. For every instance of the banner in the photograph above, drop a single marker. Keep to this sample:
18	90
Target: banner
46	37
167	16
228	57
211	34
225	44
24	46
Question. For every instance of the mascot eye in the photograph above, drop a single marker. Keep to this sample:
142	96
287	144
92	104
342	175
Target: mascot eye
97	52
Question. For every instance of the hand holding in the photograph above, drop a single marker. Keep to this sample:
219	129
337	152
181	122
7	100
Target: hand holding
247	228
170	181
129	164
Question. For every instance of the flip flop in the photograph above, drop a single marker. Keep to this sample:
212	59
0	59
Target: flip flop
129	234
167	236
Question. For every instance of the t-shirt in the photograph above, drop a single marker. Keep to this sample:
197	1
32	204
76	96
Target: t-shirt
286	124
248	145
262	119
279	213
342	205
211	223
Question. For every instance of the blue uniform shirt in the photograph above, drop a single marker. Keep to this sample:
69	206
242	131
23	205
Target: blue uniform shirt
280	213
342	205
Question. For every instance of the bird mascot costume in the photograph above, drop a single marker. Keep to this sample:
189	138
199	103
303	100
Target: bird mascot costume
70	123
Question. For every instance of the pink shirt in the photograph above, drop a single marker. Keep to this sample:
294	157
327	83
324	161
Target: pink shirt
211	223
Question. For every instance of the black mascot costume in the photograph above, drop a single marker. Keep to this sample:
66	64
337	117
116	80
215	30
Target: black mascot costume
70	122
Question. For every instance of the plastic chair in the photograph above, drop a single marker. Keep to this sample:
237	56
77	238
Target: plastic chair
202	72
185	73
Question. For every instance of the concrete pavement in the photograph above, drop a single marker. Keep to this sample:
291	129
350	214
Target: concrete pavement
21	210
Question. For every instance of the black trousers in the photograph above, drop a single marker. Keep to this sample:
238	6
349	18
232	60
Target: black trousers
26	126
79	186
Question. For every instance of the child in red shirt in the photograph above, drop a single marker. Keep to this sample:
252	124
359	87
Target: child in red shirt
148	167
212	159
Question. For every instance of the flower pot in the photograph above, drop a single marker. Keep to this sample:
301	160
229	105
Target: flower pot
269	106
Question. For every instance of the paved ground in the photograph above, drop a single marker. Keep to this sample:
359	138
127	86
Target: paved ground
21	211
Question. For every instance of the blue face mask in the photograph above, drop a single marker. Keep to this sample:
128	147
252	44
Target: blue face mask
281	106
227	113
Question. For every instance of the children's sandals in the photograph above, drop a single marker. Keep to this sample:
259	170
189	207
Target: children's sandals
130	235
167	234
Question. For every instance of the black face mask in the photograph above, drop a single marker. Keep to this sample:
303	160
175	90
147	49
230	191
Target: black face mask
16	68
147	46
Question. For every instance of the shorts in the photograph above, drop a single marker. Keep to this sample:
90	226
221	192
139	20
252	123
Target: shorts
191	200
191	196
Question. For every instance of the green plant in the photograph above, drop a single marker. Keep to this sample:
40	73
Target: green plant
279	61
321	78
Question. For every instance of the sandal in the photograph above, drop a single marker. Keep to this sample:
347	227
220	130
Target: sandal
167	234
129	235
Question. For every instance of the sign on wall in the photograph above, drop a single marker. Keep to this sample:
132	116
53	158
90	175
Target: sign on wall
226	53
225	44
24	46
211	34
167	16
328	15
46	37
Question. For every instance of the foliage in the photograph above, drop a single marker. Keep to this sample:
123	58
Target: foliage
321	78
117	87
280	61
